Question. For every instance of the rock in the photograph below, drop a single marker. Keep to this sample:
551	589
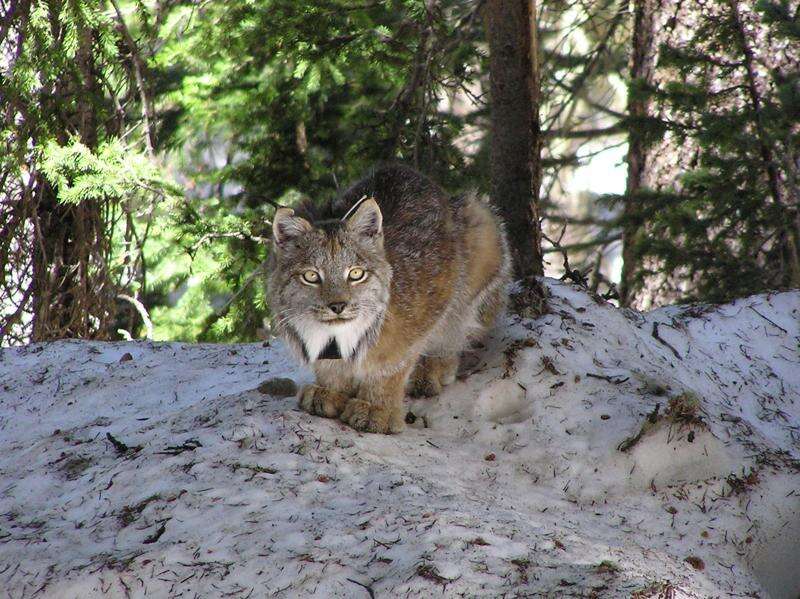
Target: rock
278	387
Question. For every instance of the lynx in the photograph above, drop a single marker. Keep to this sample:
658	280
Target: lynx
381	297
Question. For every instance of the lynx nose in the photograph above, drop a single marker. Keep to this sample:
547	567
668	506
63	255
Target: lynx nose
337	307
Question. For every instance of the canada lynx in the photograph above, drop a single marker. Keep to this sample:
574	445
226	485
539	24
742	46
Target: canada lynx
383	296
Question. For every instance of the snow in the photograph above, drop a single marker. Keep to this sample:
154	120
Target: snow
511	483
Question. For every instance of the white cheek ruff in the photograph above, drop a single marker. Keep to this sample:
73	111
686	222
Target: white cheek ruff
321	341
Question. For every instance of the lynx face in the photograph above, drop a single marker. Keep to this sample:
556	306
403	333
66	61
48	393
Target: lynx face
329	282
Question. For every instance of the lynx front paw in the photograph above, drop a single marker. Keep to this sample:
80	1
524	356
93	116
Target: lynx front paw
321	401
363	416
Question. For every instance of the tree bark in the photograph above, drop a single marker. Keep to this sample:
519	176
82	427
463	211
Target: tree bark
72	294
516	140
642	64
788	235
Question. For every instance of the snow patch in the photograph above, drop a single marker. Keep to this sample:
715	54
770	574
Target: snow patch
503	401
773	546
592	452
666	457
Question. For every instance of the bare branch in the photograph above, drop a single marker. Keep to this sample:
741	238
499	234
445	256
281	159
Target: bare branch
140	308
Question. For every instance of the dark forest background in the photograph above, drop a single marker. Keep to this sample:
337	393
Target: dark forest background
647	148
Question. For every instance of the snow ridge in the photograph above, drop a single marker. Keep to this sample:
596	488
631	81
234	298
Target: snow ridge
594	452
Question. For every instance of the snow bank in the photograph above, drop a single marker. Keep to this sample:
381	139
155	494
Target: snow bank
594	452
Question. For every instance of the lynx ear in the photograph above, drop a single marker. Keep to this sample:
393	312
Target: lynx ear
367	220
287	227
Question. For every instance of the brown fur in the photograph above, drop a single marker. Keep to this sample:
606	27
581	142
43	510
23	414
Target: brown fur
445	261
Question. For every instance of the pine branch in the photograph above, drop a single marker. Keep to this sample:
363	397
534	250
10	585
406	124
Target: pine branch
585	133
213	318
138	70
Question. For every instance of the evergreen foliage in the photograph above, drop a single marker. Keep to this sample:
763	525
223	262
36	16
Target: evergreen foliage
112	172
72	172
147	144
282	101
720	218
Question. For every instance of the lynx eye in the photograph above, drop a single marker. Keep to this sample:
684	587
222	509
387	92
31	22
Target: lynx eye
310	276
356	274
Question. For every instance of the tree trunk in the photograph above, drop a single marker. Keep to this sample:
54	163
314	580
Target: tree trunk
641	69
72	295
515	162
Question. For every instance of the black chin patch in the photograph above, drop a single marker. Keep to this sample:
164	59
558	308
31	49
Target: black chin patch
331	351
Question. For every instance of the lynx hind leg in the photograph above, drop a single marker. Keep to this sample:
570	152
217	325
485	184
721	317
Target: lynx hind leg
432	374
329	395
491	305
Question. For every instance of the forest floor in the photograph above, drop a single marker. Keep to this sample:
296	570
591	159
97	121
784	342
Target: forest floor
594	452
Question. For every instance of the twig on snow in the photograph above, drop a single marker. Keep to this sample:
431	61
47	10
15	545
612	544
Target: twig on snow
768	320
652	418
122	448
156	535
658	338
364	586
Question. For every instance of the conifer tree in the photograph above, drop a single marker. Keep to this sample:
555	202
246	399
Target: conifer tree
720	218
642	63
67	183
287	101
